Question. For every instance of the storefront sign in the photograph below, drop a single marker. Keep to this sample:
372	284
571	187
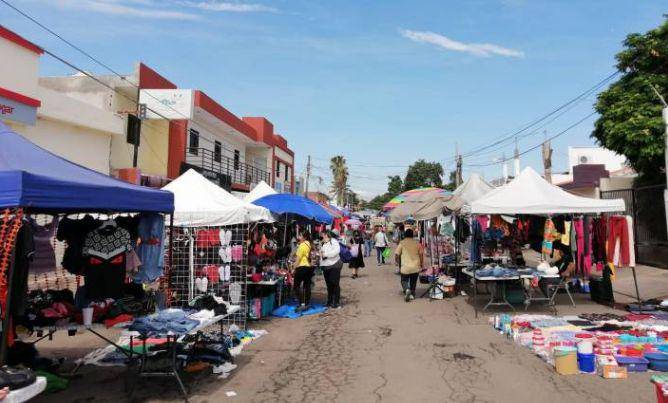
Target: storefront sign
170	104
17	112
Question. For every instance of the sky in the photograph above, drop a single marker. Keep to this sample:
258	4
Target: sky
383	83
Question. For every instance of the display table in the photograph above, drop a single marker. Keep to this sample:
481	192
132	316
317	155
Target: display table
276	283
27	393
495	299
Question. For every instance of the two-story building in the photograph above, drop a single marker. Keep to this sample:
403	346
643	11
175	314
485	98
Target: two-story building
94	122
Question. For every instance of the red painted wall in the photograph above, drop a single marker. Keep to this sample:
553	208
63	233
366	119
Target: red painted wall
149	79
177	147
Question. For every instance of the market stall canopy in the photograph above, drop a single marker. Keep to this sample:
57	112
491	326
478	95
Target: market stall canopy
290	204
34	178
399	199
333	211
199	202
260	190
421	206
472	189
529	193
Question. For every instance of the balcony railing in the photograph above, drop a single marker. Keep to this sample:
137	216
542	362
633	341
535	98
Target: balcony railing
239	172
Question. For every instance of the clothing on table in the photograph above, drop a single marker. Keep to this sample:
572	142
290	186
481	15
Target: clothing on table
44	259
302	284
410	253
409	282
74	232
302	254
151	234
618	233
166	321
332	276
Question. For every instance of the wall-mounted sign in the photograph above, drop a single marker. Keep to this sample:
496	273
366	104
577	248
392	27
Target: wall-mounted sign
169	104
17	112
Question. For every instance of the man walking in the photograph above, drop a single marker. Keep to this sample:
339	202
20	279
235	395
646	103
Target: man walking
380	242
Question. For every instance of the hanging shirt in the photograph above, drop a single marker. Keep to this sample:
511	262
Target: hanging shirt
44	259
74	233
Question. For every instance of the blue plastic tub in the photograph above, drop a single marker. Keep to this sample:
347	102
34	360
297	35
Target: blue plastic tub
632	364
587	363
657	361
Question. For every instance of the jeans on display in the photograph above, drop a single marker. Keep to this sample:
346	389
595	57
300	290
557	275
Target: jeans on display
302	284
379	254
332	276
409	282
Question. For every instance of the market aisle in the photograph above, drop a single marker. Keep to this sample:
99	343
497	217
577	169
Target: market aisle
379	348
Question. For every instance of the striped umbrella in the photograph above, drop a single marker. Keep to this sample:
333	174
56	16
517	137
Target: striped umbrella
399	199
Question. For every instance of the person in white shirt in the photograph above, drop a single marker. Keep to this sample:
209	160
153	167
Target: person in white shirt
331	265
380	242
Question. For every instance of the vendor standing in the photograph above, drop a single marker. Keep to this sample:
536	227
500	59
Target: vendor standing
303	271
331	265
409	256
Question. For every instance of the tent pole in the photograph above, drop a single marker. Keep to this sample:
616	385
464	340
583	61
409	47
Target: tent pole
170	255
635	282
191	268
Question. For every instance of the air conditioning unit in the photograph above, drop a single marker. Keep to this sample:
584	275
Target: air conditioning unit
584	159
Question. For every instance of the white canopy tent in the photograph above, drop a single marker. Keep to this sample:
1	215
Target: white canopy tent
529	193
260	190
472	189
199	202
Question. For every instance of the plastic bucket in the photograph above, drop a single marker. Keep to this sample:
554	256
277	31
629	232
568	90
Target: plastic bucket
565	360
585	347
586	362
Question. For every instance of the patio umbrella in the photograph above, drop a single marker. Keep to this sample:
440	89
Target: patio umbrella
353	222
399	199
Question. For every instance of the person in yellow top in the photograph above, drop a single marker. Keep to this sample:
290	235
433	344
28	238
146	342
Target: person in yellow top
409	256
303	272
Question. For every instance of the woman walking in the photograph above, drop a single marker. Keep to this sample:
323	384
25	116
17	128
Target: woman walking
409	255
303	271
357	250
380	242
331	266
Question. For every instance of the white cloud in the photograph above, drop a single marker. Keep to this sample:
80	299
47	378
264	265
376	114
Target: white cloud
117	7
228	6
476	49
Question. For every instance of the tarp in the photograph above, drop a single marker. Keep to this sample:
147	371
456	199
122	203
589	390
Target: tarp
529	193
34	178
260	190
199	202
471	190
420	206
286	203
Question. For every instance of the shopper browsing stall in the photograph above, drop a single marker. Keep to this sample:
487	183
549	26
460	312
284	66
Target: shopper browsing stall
331	265
303	271
409	256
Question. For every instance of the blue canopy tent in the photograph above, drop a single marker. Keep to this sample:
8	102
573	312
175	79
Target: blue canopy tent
295	205
35	179
41	182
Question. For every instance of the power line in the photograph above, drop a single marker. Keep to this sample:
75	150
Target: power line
538	145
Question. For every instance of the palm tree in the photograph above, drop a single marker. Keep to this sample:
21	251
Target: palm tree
340	178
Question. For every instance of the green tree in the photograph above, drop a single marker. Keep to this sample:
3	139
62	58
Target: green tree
395	185
630	120
452	181
423	173
339	178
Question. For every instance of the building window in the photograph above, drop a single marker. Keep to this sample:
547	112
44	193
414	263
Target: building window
278	169
193	142
287	173
237	157
217	151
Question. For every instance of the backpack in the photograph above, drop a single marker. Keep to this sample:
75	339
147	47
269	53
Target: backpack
344	254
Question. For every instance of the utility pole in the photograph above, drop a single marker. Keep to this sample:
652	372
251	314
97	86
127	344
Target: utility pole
547	159
505	168
308	175
664	113
458	172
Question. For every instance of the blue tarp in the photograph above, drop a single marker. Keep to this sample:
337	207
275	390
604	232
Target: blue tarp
293	204
289	311
34	178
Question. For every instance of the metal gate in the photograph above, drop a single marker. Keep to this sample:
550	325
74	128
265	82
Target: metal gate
646	206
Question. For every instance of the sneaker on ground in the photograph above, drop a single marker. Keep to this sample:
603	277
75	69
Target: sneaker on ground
407	295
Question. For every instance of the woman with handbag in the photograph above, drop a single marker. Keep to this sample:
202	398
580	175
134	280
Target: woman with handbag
357	251
331	265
